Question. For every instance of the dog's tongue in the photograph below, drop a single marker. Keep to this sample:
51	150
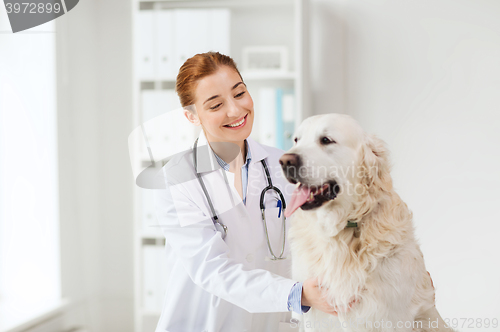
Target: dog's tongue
299	197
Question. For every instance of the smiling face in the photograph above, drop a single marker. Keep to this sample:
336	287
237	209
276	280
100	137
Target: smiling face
224	107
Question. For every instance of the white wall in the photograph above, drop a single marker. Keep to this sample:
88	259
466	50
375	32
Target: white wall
425	76
95	118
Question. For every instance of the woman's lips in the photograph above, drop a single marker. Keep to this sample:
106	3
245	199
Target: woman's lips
241	125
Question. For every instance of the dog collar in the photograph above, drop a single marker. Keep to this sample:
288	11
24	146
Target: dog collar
352	224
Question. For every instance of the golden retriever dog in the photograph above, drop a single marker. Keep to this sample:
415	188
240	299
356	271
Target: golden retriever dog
352	231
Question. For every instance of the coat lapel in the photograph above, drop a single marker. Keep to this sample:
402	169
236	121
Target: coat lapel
207	162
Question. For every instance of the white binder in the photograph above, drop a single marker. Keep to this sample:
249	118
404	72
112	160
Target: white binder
154	103
190	34
151	278
149	223
166	46
164	273
159	133
165	127
156	273
145	45
219	30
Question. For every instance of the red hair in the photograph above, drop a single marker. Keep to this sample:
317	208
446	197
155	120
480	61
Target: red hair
196	68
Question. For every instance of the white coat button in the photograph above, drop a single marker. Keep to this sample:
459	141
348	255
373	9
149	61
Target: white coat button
249	258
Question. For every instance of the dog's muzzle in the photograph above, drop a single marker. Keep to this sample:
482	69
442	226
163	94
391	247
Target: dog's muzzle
290	164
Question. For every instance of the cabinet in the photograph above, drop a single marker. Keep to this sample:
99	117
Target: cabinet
165	34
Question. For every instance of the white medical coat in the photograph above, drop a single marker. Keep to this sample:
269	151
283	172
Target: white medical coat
215	284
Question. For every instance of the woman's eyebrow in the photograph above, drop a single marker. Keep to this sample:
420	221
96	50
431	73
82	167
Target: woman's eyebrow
213	97
236	85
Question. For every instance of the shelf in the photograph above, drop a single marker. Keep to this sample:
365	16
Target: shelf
253	76
151	234
166	4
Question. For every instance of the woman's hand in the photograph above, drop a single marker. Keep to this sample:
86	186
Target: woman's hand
313	296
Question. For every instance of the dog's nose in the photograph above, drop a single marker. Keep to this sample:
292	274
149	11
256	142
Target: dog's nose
290	163
289	159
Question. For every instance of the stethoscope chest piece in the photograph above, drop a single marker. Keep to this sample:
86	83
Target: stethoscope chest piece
221	228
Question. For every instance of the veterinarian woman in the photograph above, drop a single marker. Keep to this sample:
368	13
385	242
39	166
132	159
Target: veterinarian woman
225	279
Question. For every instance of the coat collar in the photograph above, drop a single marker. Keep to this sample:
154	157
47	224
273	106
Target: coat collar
207	162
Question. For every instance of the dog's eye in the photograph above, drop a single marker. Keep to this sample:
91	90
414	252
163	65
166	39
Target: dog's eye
326	140
295	139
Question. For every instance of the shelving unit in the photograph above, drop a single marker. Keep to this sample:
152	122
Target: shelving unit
252	23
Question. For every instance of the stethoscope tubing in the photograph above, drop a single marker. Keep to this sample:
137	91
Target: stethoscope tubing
223	228
218	225
262	210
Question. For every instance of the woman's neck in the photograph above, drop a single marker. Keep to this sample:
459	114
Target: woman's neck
229	153
240	159
243	150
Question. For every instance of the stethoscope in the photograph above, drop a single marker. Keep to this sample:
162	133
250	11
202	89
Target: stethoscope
219	226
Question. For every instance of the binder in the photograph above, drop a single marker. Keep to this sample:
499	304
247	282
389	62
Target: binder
155	103
279	119
151	280
156	273
165	41
165	126
172	129
190	34
164	273
145	45
219	29
158	132
148	215
288	104
267	116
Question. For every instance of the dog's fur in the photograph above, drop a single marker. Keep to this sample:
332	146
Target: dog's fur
379	263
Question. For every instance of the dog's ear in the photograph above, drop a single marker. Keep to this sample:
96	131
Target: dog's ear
375	164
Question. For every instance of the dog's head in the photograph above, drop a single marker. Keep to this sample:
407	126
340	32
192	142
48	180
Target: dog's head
335	165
